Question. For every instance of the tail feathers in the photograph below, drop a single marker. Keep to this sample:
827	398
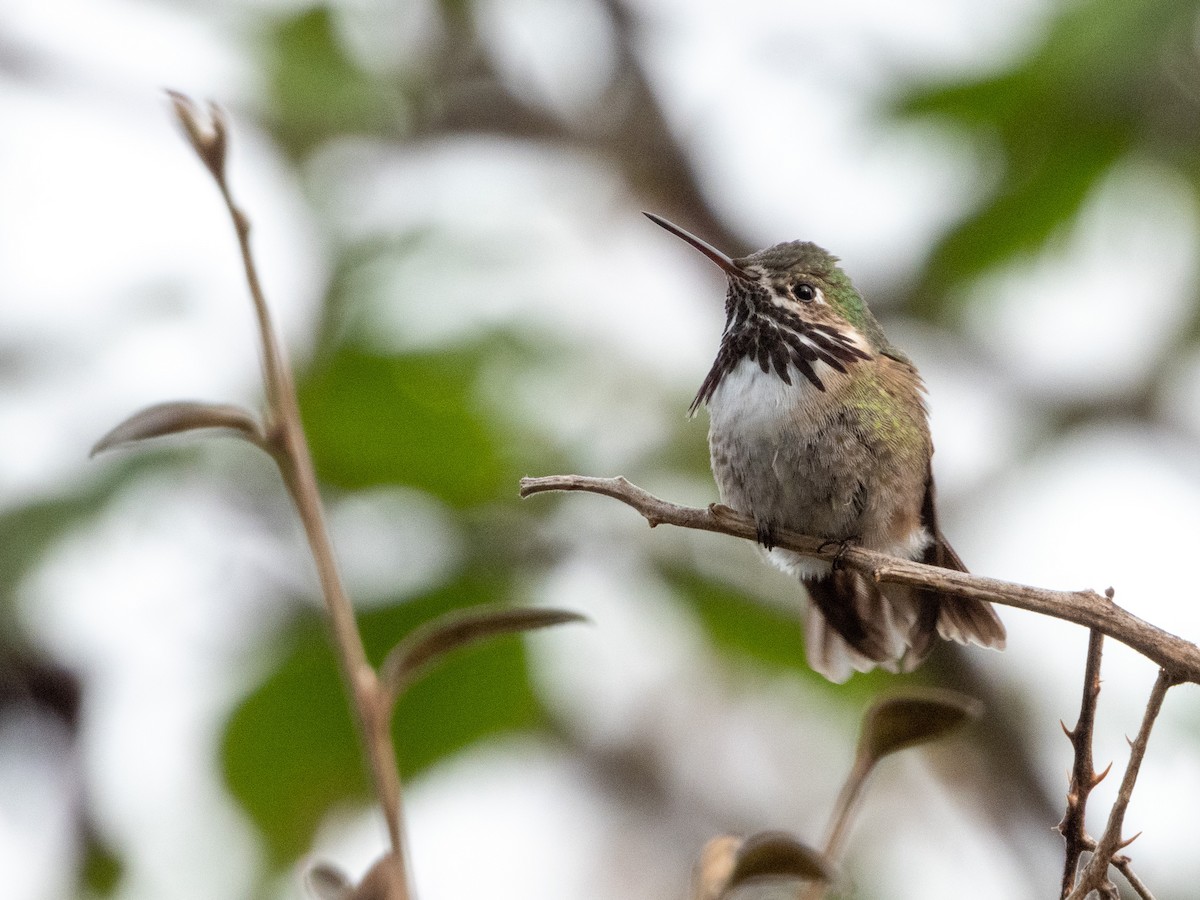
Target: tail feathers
854	625
960	619
855	608
970	622
829	654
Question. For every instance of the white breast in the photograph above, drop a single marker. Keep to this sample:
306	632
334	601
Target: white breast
774	456
757	405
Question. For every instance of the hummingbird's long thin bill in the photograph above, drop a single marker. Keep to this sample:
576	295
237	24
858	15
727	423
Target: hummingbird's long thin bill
726	263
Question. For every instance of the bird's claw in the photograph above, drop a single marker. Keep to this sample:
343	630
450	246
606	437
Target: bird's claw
766	534
842	547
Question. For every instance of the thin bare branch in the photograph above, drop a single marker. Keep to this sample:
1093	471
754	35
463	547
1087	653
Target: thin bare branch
892	724
1073	826
285	441
381	880
1087	608
1095	874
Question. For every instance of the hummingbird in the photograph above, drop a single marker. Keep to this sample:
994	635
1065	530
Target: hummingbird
818	424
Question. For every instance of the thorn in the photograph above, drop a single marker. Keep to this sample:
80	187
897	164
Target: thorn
1067	731
1125	843
1098	777
1129	742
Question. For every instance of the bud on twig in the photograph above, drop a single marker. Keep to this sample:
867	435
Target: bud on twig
206	134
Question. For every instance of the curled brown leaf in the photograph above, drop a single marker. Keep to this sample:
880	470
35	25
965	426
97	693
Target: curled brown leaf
777	854
327	882
178	416
905	720
433	640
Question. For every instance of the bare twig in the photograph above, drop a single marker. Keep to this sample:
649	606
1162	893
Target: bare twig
1087	608
1095	874
839	823
284	440
1073	826
1122	865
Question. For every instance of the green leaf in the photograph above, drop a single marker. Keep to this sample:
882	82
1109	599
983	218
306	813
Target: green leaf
373	419
100	868
317	89
290	753
1102	84
1041	194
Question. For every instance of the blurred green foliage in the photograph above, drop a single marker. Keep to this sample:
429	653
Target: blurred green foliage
744	628
317	89
1105	82
290	752
101	869
412	419
31	529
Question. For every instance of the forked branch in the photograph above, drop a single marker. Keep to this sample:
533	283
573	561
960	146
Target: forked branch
1095	874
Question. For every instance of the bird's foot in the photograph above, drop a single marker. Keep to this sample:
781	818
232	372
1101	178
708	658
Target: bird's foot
766	534
842	547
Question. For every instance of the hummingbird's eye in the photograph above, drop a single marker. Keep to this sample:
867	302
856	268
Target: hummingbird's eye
804	292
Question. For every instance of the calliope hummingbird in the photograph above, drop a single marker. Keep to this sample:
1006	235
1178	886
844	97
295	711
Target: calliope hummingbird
818	424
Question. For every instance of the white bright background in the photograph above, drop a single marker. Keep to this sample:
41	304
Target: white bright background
117	265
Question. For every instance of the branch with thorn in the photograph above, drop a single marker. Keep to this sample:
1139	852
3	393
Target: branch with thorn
1104	853
1084	778
1083	773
